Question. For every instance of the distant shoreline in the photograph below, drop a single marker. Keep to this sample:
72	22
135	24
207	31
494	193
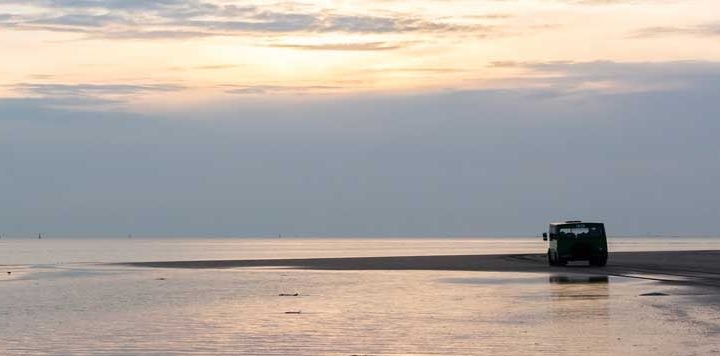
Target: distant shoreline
25	236
681	267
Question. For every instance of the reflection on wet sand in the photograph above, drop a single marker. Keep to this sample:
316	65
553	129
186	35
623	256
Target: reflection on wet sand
578	279
579	287
239	311
582	300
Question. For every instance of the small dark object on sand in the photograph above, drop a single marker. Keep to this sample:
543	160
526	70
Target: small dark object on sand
653	294
293	312
289	295
9	272
160	279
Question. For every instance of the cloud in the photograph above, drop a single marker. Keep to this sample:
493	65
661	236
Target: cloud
444	163
616	2
85	95
374	24
641	71
426	70
278	89
217	66
660	31
276	22
65	90
42	76
363	46
193	18
153	35
602	2
610	76
110	4
37	109
82	20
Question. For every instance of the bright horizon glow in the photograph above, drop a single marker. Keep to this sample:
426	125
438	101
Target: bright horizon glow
334	47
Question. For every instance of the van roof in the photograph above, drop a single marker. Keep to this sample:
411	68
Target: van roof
574	222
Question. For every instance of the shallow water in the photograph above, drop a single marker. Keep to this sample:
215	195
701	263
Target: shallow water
85	308
110	310
67	250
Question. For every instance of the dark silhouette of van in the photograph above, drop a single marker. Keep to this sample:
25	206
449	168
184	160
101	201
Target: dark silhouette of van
576	241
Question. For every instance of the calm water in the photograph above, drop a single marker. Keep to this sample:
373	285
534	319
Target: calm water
15	251
53	305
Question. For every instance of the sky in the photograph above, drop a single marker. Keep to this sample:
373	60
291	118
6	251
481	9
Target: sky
358	118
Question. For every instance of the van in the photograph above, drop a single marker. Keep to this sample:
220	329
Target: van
576	241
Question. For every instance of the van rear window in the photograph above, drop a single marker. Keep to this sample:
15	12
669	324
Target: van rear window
580	231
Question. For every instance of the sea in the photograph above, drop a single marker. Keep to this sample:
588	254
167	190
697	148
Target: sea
64	296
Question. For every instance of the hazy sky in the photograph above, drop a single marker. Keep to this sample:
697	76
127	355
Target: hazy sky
358	118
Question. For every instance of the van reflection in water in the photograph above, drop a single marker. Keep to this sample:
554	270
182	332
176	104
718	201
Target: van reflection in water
579	287
584	299
578	279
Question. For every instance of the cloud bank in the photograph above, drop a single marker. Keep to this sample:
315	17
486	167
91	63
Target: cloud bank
194	18
484	162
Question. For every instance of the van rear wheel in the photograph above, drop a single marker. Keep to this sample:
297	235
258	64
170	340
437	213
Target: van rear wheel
598	261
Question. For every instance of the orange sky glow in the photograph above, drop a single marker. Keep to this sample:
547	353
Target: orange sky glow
189	51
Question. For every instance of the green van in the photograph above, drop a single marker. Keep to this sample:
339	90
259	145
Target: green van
576	241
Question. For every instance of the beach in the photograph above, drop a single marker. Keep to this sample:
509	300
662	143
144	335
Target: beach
375	177
681	267
354	298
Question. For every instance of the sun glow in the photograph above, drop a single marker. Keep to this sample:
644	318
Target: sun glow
245	48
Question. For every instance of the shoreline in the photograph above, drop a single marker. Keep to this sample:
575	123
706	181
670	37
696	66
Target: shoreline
700	267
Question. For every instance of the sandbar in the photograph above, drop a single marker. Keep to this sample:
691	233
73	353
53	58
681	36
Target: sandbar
680	267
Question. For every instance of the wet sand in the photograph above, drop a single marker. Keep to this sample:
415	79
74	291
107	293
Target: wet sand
679	267
513	305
